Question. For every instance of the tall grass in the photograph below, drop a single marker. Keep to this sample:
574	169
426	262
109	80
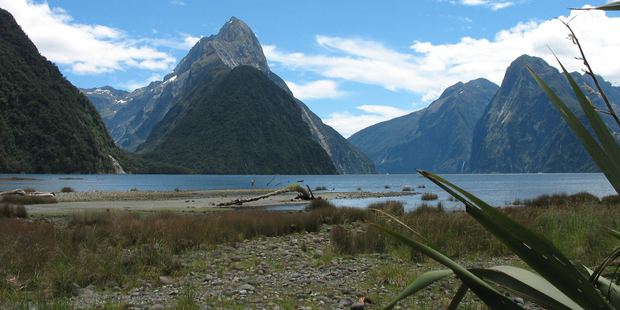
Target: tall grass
102	247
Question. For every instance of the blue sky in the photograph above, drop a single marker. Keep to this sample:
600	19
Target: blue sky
354	63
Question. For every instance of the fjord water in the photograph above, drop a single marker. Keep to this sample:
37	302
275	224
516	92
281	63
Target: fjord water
495	189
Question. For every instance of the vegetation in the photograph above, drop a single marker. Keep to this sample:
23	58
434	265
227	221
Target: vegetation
559	283
244	124
46	124
429	196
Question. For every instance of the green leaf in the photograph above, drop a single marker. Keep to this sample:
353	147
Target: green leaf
612	232
458	297
596	151
613	6
526	284
536	251
421	282
490	296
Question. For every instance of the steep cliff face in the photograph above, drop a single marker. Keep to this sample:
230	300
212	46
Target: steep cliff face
46	124
520	130
234	45
436	139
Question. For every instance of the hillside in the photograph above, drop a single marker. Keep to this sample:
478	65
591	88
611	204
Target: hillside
244	124
46	124
437	138
520	130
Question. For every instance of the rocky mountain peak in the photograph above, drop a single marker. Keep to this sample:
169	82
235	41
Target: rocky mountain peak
237	45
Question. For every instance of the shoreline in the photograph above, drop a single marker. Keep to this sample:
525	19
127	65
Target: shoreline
191	200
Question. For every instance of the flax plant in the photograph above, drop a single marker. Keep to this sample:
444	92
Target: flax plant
558	283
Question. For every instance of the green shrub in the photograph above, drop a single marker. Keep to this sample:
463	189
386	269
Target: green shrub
67	189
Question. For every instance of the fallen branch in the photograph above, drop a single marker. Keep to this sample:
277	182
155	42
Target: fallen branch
303	194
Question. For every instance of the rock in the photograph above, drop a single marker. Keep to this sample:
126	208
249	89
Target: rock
345	302
345	291
247	287
358	306
157	307
318	254
165	280
519	300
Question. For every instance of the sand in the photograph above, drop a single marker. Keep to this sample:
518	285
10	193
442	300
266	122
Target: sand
196	201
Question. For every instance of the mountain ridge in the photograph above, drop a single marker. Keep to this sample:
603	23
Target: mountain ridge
234	45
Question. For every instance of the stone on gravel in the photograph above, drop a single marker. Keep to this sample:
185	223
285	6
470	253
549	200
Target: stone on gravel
157	307
358	306
165	280
318	254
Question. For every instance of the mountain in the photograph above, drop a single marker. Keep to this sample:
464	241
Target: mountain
107	100
46	124
520	130
437	138
151	112
243	125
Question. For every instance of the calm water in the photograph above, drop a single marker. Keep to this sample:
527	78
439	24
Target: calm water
495	189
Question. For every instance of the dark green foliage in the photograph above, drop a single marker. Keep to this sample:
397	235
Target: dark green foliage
437	138
67	189
245	124
46	124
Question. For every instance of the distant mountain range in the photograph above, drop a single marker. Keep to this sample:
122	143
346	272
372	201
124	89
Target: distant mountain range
479	128
437	138
222	111
141	121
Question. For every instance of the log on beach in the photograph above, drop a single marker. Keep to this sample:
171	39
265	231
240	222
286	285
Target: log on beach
23	193
303	194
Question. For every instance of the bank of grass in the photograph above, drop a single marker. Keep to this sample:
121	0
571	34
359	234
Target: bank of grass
104	248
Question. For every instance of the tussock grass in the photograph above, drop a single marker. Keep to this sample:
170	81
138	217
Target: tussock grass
27	200
102	247
392	207
560	199
11	211
67	189
429	196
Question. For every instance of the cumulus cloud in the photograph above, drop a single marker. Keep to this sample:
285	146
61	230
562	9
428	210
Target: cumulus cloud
347	124
430	68
316	90
85	49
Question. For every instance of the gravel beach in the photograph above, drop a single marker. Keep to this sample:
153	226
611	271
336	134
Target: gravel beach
150	201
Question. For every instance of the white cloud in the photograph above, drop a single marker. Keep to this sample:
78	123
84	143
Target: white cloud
85	49
316	90
139	84
177	2
430	68
347	124
493	5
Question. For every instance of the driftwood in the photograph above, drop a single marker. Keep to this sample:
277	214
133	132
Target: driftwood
303	194
23	193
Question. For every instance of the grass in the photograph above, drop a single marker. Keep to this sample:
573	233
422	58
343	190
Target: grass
106	247
27	200
429	196
11	211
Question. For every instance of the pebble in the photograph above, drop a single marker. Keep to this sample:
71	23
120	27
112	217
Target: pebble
274	271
